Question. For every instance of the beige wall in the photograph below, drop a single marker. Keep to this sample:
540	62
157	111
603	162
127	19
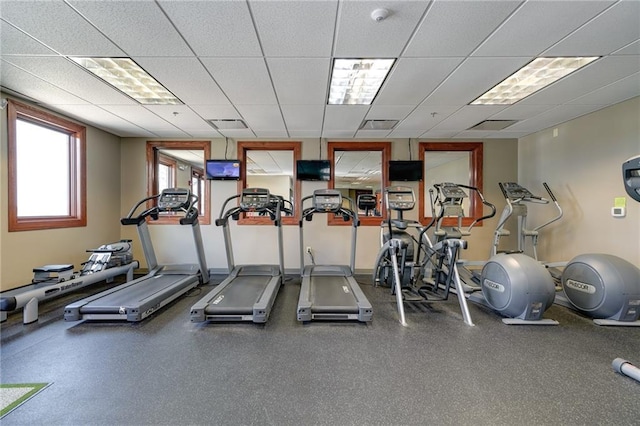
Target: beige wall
330	244
21	251
582	165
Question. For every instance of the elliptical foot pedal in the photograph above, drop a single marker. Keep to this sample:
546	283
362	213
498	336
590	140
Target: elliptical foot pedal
409	296
518	321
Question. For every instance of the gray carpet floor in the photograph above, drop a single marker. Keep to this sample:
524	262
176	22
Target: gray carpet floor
166	370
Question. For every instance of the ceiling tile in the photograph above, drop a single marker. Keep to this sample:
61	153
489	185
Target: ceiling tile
187	78
471	79
15	42
394	112
233	75
35	88
298	29
456	28
300	81
137	27
597	74
262	117
104	120
468	116
64	74
303	118
359	36
58	26
537	25
613	93
413	79
214	28
209	112
612	30
553	117
142	116
182	117
343	117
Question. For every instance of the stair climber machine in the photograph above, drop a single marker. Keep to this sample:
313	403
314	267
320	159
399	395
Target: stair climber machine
631	178
249	291
137	299
399	262
330	292
49	281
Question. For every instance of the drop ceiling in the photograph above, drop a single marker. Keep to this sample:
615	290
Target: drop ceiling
268	63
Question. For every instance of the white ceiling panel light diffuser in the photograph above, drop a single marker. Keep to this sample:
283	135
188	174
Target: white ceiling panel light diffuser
534	76
357	81
126	76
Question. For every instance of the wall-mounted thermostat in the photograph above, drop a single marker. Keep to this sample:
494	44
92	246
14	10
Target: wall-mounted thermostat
618	211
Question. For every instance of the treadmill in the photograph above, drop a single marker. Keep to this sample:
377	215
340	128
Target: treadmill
249	291
137	299
330	292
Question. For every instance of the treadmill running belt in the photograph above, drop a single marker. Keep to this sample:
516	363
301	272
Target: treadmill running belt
332	291
239	296
136	293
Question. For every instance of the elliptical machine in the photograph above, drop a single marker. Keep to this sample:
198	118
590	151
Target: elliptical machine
398	262
605	287
513	283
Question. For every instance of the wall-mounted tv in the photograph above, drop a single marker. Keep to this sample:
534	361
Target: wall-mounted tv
222	169
313	169
405	170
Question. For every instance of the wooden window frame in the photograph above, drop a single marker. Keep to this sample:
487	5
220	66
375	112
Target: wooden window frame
152	183
77	173
385	149
296	148
475	166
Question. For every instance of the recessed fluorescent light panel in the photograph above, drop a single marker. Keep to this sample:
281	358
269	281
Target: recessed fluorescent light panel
126	76
534	76
357	81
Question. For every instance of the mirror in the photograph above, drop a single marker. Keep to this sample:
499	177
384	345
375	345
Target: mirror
179	164
459	163
270	165
360	169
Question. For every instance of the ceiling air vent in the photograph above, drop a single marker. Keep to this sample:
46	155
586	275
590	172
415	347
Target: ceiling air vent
378	124
228	124
493	125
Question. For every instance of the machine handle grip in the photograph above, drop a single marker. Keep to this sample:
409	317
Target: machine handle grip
503	190
553	197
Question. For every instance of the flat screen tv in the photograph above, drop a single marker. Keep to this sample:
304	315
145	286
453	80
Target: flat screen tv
405	170
313	169
222	169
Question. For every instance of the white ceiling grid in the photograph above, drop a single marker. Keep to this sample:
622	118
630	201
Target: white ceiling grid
268	62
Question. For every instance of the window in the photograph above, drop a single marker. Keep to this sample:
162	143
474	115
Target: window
166	172
270	165
451	162
47	170
179	164
197	187
360	168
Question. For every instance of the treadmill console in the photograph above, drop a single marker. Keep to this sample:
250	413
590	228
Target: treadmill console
172	199
631	176
513	191
451	190
327	200
400	198
255	199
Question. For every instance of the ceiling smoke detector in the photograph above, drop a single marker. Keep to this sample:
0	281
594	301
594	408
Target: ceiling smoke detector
379	15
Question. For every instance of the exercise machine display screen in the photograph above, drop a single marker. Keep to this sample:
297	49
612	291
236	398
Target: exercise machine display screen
174	199
255	199
451	190
515	191
327	201
400	199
